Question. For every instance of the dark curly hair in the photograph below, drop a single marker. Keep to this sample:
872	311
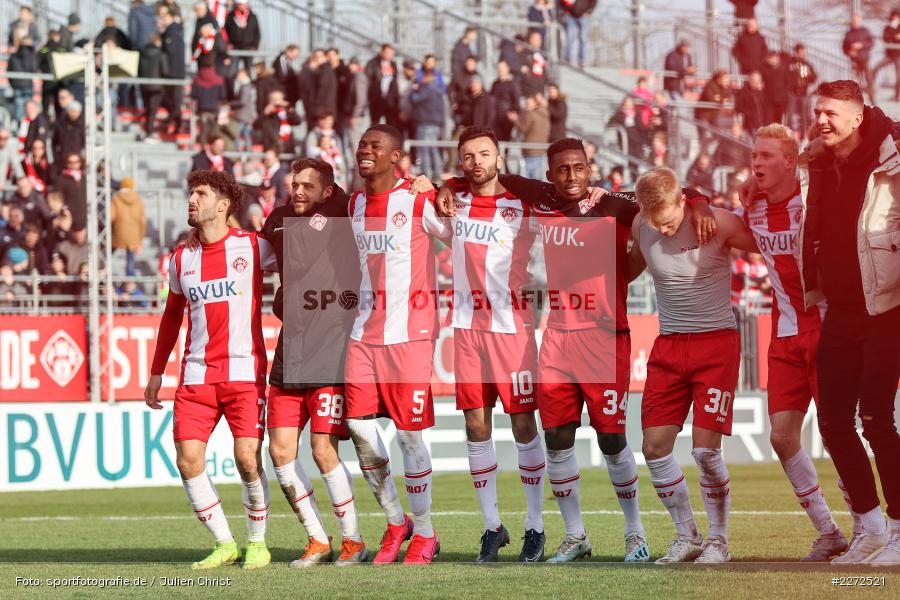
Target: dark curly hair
325	170
223	184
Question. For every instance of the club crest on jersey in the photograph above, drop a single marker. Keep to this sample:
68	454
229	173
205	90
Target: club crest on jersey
399	219
317	222
240	264
509	214
584	206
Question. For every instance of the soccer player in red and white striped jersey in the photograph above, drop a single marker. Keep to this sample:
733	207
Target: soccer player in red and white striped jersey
389	356
774	215
224	365
495	353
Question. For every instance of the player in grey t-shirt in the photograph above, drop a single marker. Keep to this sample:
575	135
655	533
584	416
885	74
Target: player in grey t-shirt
694	361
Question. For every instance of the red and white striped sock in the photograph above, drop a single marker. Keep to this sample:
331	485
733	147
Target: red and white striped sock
256	507
483	468
623	474
339	484
207	506
417	469
299	493
565	481
715	489
672	489
801	473
531	473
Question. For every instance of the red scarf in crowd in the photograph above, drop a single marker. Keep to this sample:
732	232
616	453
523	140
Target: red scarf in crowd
73	173
216	162
284	126
23	133
241	15
32	174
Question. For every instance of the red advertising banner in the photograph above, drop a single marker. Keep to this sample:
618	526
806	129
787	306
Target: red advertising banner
43	358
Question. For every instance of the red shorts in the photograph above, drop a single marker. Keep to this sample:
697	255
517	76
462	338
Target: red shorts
393	381
487	365
561	389
199	407
322	407
792	371
699	369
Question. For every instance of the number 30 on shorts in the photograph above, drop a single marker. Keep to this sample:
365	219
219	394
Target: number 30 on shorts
332	405
719	402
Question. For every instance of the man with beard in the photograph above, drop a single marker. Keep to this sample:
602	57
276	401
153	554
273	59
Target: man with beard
224	368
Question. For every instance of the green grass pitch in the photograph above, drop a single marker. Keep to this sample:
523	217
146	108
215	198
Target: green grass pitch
150	533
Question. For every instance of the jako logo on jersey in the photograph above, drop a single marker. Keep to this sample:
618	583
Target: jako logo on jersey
215	290
61	358
758	222
584	206
240	264
374	242
509	214
399	219
477	232
317	222
688	248
560	236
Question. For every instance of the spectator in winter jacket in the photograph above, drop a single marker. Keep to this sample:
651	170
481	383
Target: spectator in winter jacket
559	112
858	44
51	87
540	17
31	201
245	109
37	167
276	124
141	23
153	64
204	18
208	89
72	183
173	48
801	77
384	93
578	13
324	126
506	99
750	48
716	91
212	157
111	31
68	135
733	150
751	103
481	111
462	51
211	49
628	117
69	33
34	125
323	89
343	79
242	28
681	63
459	91
429	65
535	71
744	9
428	119
534	125
700	175
23	27
776	78
24	60
128	222
286	70
891	36
10	169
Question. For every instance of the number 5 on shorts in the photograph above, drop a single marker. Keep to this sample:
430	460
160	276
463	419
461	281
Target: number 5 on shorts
418	402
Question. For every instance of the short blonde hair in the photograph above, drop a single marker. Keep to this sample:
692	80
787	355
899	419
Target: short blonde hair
776	131
656	189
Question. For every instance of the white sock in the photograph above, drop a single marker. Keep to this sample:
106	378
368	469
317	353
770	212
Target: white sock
256	507
339	484
672	489
483	468
562	469
531	473
375	464
873	521
207	506
801	473
715	488
623	474
857	524
299	493
417	469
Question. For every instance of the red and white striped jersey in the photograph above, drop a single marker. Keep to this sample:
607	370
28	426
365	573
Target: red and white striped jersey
776	228
398	291
222	286
491	248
